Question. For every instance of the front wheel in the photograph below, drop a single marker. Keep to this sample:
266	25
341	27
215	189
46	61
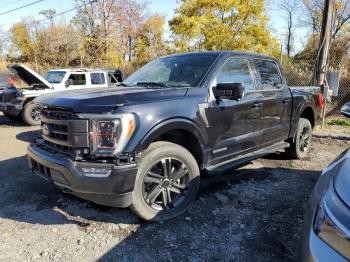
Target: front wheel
167	182
301	145
31	114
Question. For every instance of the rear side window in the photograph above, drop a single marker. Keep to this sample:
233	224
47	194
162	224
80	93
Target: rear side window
77	79
269	73
97	78
236	70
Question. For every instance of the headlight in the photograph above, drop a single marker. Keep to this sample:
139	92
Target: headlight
329	223
109	134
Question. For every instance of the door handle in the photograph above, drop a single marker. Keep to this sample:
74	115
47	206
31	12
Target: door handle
286	100
257	105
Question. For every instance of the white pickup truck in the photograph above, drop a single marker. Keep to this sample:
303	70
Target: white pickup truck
18	103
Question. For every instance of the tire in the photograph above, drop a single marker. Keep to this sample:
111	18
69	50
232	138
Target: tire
12	117
152	183
31	114
300	148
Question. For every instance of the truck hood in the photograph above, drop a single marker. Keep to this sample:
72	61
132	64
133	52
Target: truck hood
28	76
342	178
104	100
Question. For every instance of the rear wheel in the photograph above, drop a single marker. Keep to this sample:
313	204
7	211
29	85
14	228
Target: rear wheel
300	148
31	114
167	182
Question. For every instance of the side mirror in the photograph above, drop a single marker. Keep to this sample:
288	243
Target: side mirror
68	83
234	91
345	110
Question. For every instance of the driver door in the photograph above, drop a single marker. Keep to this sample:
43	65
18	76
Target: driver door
235	126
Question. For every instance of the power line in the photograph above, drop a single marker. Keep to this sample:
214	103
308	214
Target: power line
23	6
11	3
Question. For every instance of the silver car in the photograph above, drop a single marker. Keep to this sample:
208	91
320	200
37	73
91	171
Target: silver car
327	222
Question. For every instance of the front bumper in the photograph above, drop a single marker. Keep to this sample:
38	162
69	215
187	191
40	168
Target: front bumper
114	190
313	247
10	108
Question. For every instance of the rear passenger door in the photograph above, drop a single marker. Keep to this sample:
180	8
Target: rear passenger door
98	79
276	99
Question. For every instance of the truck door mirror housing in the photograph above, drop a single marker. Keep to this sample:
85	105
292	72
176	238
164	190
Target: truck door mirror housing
68	83
233	91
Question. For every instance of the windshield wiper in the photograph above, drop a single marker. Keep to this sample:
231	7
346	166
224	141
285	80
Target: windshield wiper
152	84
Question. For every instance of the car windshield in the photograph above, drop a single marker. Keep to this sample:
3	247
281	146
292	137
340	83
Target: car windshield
173	71
55	77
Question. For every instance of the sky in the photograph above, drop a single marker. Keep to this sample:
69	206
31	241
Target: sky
163	7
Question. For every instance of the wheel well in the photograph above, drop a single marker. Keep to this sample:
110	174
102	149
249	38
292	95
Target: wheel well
29	99
185	139
308	113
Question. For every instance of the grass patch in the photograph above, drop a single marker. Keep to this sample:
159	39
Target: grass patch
339	122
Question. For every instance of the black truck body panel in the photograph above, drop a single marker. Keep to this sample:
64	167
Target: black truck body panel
224	128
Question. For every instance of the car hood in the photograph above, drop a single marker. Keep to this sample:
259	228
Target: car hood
28	76
342	178
103	100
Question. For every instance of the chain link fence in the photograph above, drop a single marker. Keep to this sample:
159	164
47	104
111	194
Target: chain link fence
299	73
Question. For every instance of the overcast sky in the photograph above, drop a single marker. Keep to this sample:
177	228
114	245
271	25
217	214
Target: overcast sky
163	7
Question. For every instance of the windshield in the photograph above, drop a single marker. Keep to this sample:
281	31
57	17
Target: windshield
173	71
55	77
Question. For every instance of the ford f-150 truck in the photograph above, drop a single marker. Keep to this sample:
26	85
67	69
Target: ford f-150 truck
18	103
145	143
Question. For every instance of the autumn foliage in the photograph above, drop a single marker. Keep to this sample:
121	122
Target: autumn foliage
125	34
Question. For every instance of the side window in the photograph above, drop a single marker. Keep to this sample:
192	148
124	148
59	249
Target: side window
97	78
236	70
77	79
269	73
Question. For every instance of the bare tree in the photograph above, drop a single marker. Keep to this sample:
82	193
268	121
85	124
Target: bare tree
290	9
313	17
49	14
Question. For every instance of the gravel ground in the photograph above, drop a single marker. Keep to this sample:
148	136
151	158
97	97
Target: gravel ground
251	214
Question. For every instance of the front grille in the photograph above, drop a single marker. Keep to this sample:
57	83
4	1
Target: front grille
8	97
63	131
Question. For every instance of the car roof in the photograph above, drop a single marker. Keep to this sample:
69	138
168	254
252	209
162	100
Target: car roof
226	53
83	70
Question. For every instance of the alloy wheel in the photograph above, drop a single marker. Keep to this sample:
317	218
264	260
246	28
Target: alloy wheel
304	138
166	184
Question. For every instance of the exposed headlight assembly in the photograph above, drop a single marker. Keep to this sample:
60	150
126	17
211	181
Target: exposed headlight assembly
109	134
332	221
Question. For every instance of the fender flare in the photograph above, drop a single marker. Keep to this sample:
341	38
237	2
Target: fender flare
172	124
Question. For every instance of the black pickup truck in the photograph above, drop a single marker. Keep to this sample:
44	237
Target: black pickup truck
144	143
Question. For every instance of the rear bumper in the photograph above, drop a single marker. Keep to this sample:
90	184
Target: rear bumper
114	190
10	108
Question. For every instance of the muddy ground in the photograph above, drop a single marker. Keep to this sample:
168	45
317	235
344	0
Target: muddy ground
251	214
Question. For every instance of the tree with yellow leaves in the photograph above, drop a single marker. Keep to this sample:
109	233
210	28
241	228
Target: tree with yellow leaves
222	25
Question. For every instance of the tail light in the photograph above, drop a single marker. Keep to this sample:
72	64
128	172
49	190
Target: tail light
320	100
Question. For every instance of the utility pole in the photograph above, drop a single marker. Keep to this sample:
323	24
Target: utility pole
325	41
319	77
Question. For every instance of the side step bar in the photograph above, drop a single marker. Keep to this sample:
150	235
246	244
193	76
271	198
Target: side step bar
240	160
